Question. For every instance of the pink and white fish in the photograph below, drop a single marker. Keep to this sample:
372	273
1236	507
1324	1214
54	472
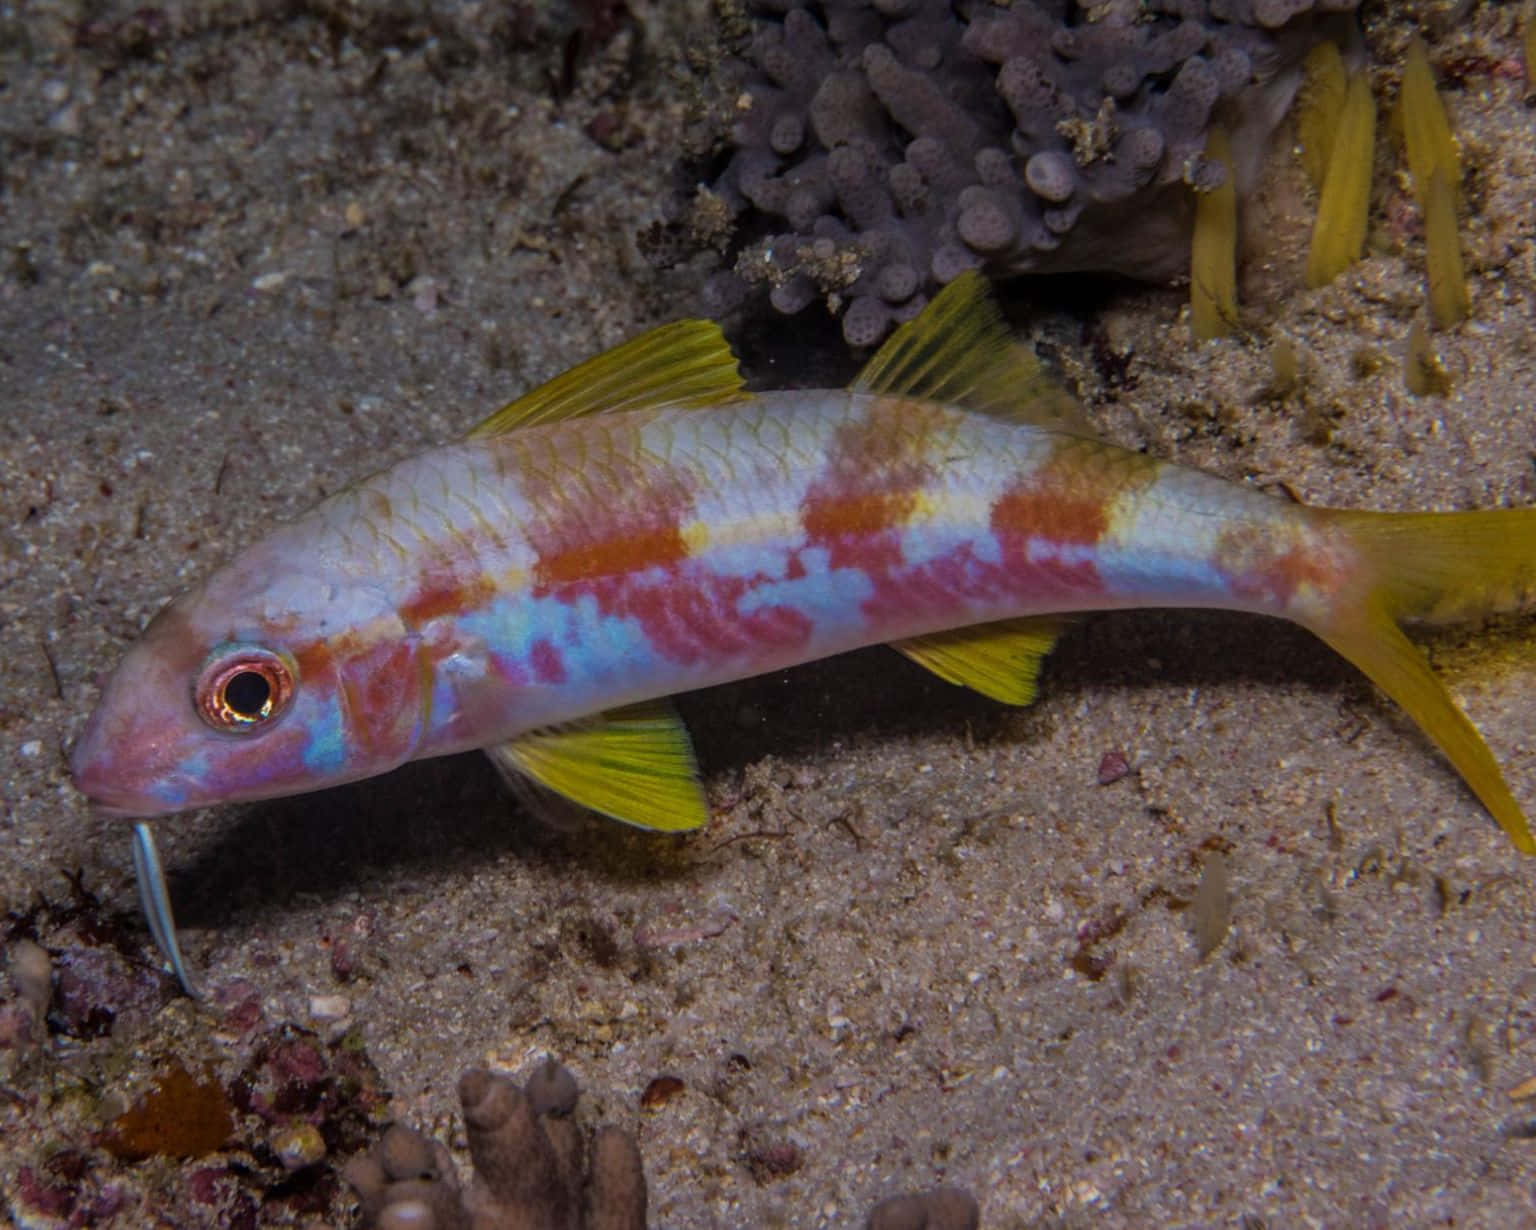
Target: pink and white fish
642	526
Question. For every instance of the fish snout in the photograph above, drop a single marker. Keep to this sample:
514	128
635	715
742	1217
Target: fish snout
102	777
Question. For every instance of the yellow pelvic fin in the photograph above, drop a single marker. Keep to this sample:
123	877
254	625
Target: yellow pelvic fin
1338	234
1318	109
1437	567
634	764
686	363
960	352
999	660
1427	135
1213	252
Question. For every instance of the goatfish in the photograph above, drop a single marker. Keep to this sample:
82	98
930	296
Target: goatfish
644	525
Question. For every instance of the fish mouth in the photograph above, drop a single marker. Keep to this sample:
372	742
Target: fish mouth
114	801
110	791
114	811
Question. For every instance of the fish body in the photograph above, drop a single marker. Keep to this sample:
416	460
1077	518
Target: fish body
642	526
514	582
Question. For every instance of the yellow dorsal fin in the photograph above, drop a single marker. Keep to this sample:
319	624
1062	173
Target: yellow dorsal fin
634	764
999	660
959	352
686	363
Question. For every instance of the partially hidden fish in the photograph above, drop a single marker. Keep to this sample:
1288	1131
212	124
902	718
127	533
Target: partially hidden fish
643	525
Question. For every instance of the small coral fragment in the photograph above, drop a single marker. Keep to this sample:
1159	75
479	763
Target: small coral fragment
24	1012
943	1208
1211	913
1284	370
1318	108
181	1116
1213	254
660	1091
533	1170
1423	373
1339	232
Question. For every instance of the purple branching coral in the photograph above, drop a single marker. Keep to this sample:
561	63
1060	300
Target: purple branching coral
883	146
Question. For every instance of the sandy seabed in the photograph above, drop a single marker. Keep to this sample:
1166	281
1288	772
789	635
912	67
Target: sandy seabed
246	259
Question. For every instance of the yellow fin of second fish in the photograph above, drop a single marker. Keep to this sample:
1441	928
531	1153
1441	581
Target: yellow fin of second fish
1427	137
634	764
1318	108
1343	212
959	352
999	660
686	363
1213	249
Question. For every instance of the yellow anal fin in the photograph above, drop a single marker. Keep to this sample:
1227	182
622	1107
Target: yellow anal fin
1375	644
634	764
999	660
1213	251
959	352
687	363
1343	211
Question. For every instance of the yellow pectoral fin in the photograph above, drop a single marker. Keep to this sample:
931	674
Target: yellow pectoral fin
999	660
634	764
686	363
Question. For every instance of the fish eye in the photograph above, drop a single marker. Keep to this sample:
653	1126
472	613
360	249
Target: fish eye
244	688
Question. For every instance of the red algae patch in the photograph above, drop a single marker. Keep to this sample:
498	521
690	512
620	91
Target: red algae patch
180	1116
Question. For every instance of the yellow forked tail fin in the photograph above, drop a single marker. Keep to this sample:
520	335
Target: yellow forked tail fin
1437	567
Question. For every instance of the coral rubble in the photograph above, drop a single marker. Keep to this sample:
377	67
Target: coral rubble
943	1208
883	146
534	1168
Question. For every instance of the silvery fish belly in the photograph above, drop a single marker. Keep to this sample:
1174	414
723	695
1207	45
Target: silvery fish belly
642	526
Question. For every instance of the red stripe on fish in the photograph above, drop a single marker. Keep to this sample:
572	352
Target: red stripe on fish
876	469
451	580
381	688
1048	521
692	615
626	550
548	666
633	524
1260	568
